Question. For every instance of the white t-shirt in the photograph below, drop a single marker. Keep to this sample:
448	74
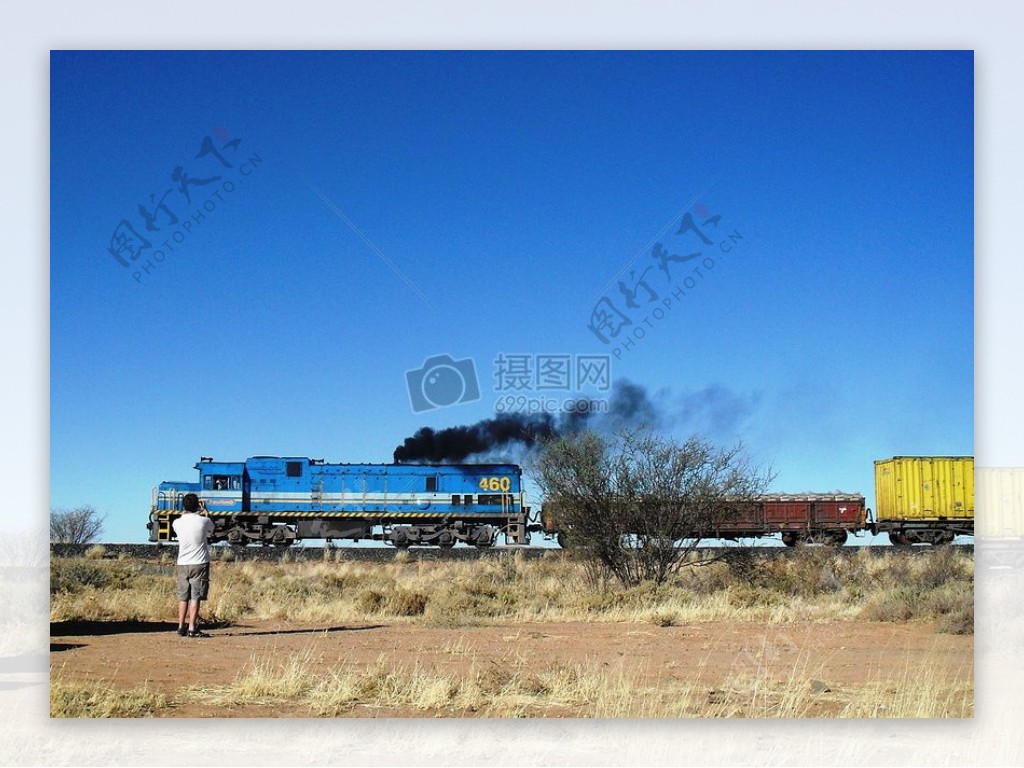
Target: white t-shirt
192	531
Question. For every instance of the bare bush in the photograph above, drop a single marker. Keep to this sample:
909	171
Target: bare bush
639	504
81	525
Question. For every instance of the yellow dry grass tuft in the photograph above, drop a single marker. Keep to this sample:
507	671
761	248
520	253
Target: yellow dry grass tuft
82	699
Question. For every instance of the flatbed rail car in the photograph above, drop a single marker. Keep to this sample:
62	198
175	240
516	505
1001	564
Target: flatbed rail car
813	518
924	499
281	500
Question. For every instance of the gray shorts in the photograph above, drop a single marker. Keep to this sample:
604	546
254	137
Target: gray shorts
193	581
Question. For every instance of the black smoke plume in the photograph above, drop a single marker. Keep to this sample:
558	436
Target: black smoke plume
457	443
508	436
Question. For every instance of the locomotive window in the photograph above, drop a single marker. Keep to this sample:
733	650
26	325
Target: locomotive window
432	484
467	500
219	482
236	482
497	499
293	469
456	499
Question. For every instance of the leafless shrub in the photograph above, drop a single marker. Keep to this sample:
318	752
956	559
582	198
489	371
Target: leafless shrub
80	525
640	504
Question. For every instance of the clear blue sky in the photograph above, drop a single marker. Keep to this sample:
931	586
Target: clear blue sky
509	189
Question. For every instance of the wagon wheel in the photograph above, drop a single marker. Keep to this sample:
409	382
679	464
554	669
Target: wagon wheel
789	540
839	537
899	539
562	541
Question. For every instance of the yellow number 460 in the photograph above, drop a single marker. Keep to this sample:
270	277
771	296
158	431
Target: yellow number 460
495	484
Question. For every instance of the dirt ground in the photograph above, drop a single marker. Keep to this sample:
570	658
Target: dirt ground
834	657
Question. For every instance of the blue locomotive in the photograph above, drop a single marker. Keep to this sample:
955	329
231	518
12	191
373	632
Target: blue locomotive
281	500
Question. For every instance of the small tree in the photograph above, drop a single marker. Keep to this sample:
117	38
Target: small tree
80	525
638	504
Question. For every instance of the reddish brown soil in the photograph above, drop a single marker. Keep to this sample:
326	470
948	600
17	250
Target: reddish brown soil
837	656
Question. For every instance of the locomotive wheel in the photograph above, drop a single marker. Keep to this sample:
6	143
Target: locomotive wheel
400	539
445	540
482	537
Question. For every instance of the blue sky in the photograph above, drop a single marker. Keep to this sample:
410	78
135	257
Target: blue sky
509	189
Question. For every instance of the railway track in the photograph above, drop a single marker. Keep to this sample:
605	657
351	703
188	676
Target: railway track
388	554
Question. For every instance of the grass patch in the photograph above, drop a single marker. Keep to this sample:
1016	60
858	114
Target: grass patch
79	699
583	689
814	584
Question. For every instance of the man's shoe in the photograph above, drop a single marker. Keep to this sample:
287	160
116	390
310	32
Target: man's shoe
197	633
183	631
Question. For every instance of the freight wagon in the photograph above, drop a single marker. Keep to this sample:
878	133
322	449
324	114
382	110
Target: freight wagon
809	518
924	499
280	500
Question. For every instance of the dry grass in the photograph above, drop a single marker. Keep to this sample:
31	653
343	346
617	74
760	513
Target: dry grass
581	689
920	692
815	585
80	699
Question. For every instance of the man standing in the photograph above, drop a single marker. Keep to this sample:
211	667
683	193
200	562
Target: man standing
192	529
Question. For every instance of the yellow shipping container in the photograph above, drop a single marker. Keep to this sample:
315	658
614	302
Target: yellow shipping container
1000	502
920	488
